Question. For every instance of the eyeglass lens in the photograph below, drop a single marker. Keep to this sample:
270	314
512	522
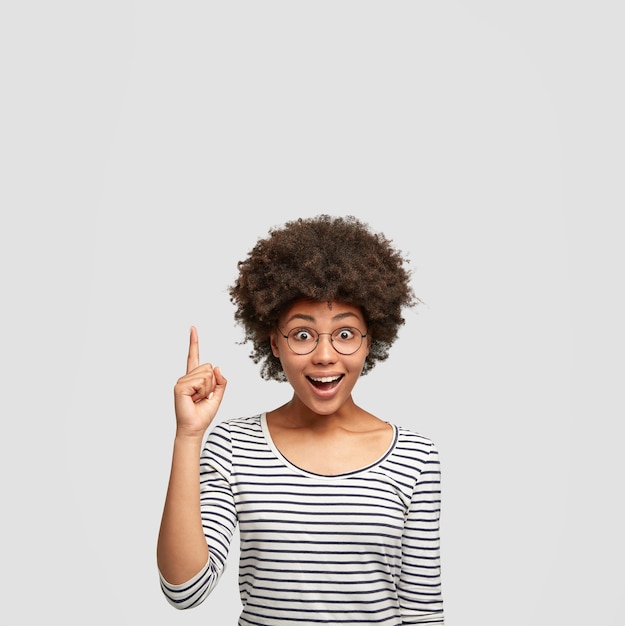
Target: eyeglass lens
345	340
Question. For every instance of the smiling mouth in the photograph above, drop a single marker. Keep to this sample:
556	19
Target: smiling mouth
325	382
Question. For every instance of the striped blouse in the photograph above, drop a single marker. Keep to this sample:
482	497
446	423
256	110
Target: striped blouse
353	549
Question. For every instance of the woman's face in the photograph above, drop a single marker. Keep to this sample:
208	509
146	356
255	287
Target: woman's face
323	378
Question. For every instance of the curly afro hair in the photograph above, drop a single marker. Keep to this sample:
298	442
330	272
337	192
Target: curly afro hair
325	259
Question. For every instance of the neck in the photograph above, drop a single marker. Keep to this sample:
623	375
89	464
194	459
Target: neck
295	414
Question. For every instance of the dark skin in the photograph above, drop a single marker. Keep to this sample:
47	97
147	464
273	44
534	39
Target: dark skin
323	430
182	550
330	448
320	429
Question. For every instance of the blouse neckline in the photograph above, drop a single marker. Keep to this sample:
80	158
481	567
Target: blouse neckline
299	470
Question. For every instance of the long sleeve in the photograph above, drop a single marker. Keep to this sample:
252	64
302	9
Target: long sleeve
355	548
419	588
219	521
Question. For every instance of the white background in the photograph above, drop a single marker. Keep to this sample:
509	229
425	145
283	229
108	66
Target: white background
145	146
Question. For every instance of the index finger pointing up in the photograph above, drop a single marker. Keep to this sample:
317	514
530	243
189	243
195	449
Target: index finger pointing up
193	359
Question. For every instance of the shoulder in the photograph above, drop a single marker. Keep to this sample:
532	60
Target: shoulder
236	428
239	423
236	424
226	436
413	437
414	445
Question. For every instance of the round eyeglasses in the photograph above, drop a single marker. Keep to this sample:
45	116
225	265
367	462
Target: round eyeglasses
345	340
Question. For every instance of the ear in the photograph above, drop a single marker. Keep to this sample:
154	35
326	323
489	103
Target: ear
273	342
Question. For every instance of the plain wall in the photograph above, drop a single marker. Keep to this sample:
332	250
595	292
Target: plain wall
147	145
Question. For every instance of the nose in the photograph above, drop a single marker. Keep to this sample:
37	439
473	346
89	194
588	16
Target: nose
324	351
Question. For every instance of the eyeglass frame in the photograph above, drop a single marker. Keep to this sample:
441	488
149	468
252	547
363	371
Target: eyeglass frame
362	337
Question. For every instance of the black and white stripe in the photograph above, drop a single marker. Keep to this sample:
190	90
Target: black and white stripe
358	548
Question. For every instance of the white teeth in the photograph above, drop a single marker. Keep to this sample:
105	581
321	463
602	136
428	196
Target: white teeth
325	379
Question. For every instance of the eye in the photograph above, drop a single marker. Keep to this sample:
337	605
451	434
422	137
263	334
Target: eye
302	335
345	334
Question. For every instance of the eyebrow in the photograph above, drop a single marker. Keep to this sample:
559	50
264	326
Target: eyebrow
310	318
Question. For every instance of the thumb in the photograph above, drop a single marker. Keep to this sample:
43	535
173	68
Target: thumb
220	384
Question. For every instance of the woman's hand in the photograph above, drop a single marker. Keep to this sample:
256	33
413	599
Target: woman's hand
182	550
197	394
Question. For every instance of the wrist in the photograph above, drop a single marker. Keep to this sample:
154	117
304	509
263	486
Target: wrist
191	436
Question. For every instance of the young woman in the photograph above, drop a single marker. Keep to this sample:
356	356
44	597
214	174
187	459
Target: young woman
337	509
